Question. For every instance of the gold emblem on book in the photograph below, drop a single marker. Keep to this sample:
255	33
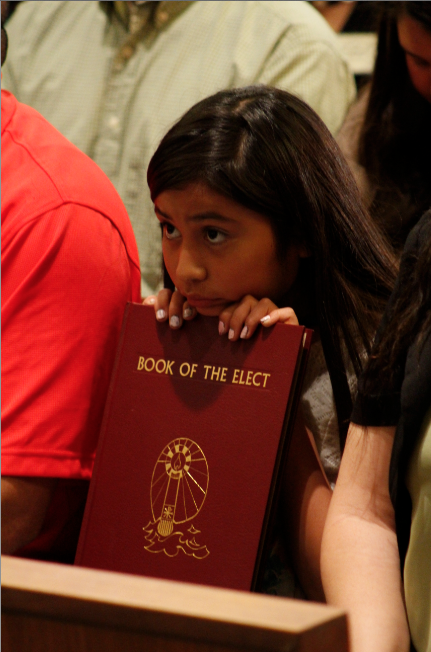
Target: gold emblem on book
178	489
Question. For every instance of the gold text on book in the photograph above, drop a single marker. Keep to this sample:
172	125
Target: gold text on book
212	373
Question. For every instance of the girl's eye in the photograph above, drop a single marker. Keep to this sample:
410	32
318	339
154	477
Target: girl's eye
215	236
171	232
418	61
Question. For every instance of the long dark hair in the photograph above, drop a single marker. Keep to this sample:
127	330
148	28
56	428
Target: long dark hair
395	140
267	150
4	16
408	316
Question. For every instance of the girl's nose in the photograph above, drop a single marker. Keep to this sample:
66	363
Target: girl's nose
190	267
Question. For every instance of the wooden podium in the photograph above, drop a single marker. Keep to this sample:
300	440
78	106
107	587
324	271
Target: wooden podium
54	608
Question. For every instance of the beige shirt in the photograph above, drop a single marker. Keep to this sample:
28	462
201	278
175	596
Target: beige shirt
417	569
115	95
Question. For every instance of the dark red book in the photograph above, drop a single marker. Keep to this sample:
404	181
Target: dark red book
194	433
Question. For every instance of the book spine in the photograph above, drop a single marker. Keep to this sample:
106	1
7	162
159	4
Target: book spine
273	506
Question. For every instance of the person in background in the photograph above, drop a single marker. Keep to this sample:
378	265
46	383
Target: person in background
114	76
349	16
386	137
380	513
69	265
336	13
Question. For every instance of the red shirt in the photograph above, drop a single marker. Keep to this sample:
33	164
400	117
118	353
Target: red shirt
69	265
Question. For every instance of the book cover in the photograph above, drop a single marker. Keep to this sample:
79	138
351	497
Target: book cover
193	436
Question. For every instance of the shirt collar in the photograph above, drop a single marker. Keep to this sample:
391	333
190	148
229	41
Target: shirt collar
142	21
159	13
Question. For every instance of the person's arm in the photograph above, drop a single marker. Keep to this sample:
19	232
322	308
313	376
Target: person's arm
360	561
64	291
24	503
306	497
336	13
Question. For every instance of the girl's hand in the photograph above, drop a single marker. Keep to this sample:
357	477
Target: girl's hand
240	320
170	305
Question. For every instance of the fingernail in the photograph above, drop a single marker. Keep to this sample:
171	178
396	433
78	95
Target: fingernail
160	314
244	333
220	328
188	312
150	301
231	334
174	321
265	319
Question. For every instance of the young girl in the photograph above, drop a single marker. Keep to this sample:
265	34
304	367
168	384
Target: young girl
261	223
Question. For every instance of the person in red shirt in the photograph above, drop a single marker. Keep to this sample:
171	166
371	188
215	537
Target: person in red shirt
69	265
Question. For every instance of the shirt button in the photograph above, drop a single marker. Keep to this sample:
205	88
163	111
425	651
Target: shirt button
113	121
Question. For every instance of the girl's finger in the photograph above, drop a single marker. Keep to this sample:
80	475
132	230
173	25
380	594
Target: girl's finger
176	310
225	317
188	311
237	325
161	306
257	312
281	315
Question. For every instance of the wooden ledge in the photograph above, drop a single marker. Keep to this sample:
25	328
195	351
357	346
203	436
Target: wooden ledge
53	602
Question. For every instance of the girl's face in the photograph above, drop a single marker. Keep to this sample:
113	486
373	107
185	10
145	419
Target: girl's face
216	251
415	40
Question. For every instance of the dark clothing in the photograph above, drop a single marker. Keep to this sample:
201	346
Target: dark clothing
405	401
